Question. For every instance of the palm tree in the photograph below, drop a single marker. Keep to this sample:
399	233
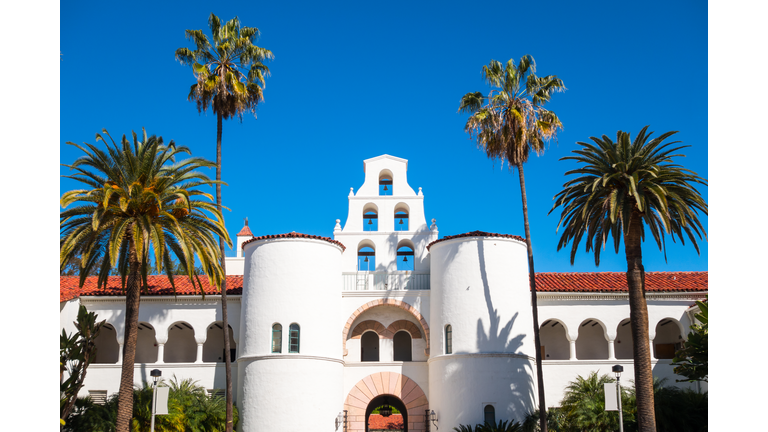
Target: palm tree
140	204
228	74
622	187
508	125
584	404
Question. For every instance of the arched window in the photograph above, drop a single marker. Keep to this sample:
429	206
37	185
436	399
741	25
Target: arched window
385	183
489	414
106	345
294	339
369	347
404	258
401	217
402	346
370	220
277	338
366	259
181	346
448	339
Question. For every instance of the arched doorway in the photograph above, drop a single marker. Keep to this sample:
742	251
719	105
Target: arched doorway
386	413
392	388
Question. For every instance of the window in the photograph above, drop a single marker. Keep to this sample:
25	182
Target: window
489	414
448	339
385	184
401	221
369	347
294	339
370	221
216	393
99	397
277	338
402	346
366	259
403	263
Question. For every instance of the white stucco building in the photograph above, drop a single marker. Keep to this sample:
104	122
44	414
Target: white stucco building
385	311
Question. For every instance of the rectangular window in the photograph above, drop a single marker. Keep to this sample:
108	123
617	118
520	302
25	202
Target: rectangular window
448	339
294	339
99	397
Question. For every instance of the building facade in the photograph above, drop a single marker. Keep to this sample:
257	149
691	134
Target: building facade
385	312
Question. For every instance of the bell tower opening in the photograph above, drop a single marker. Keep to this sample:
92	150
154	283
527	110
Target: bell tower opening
385	183
386	413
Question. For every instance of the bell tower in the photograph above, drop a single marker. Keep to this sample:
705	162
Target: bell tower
386	230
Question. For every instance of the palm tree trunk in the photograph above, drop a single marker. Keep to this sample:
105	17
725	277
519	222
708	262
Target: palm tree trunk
224	319
638	316
534	305
125	395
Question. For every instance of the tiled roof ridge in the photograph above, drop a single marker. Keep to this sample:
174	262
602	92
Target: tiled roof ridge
294	234
245	231
477	233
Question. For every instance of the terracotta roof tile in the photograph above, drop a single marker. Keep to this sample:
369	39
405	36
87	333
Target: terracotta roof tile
477	234
245	232
158	286
294	234
545	282
617	282
68	289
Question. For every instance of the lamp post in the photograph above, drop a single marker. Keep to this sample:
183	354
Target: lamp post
618	369
155	374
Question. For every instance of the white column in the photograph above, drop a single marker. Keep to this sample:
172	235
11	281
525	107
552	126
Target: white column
160	353
200	353
119	353
611	351
653	353
573	350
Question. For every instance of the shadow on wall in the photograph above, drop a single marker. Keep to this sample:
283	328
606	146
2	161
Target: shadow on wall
519	372
497	336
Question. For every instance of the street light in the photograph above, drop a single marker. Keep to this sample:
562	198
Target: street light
155	374
618	369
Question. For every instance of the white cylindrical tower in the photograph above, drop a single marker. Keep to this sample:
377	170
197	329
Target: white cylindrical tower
485	361
291	375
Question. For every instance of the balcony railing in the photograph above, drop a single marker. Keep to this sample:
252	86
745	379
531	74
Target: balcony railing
369	281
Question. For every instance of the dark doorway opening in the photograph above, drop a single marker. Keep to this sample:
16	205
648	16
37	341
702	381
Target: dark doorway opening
376	419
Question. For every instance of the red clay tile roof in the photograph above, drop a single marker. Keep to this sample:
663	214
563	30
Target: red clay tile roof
158	286
245	232
393	422
617	282
67	289
294	234
477	234
545	282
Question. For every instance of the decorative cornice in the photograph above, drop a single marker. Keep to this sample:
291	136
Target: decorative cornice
179	300
289	357
385	293
552	296
383	364
481	355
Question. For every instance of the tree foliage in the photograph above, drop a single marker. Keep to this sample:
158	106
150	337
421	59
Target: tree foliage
139	194
76	352
230	71
190	409
617	179
692	360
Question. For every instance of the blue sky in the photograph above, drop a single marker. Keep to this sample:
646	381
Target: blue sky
354	80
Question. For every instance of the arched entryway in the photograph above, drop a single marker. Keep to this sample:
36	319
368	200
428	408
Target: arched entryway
392	388
386	413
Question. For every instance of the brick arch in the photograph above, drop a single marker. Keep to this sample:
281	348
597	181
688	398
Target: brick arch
376	326
385	383
406	325
386	302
